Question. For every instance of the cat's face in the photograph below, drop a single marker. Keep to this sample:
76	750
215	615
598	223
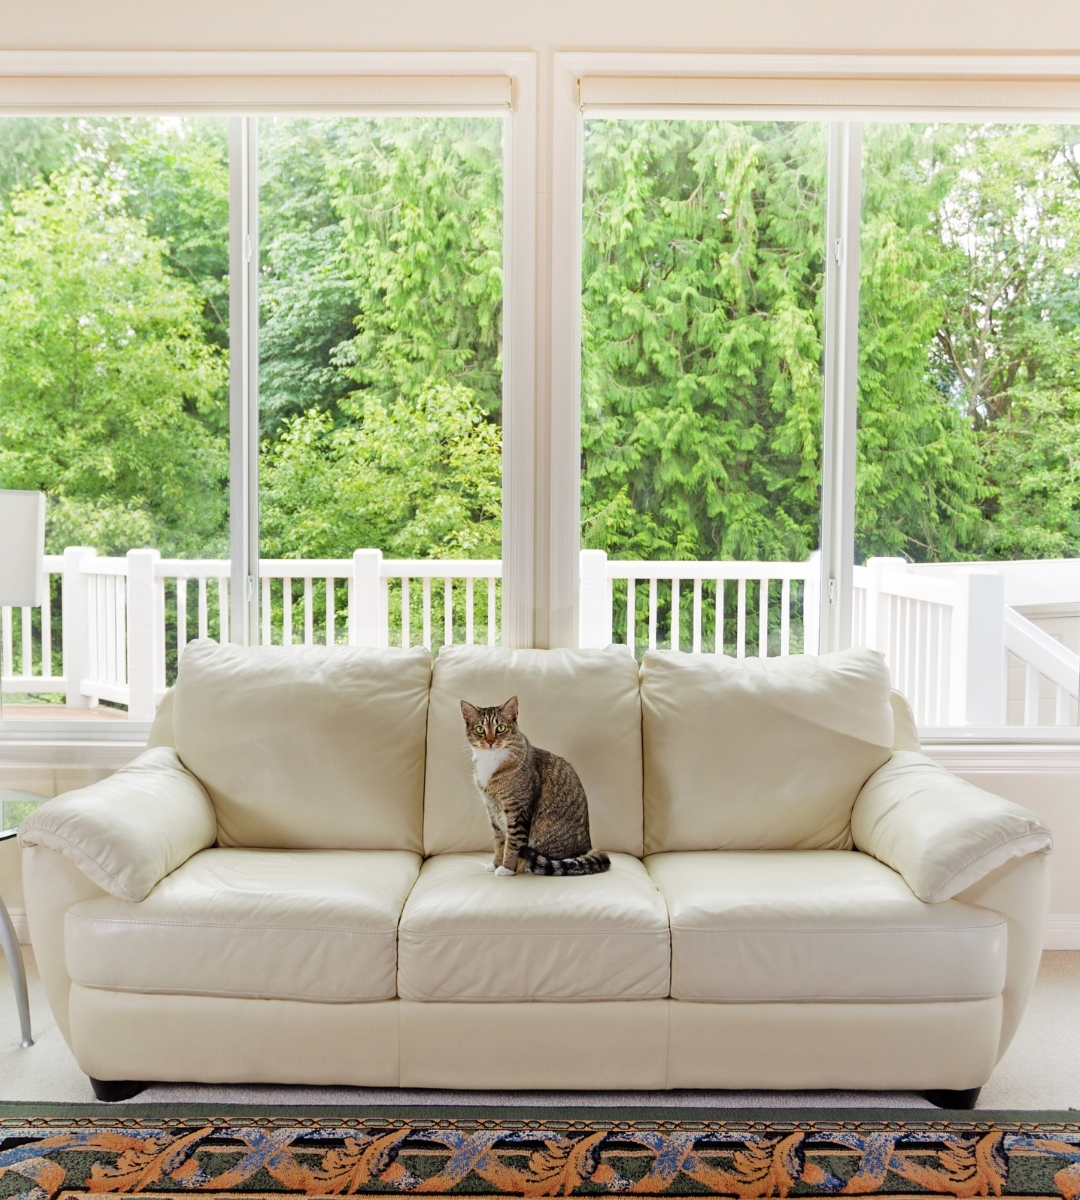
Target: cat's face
490	728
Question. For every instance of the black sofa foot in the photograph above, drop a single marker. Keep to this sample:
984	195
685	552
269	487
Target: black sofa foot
111	1090
946	1098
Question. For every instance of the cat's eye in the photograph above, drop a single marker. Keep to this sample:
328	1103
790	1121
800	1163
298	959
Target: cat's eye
479	730
500	728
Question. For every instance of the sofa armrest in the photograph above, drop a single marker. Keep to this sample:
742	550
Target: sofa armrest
940	833
127	832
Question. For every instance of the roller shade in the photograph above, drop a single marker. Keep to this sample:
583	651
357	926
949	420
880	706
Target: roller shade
970	98
79	95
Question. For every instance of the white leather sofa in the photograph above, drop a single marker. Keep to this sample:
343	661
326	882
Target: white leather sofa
288	886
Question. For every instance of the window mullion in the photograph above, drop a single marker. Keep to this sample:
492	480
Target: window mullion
244	377
843	226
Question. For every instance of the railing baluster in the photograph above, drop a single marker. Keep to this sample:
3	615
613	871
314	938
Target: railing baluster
27	638
405	615
1031	695
763	618
111	674
785	617
204	616
718	641
448	612
426	600
631	614
223	609
181	615
9	661
121	627
652	613
675	631
1061	706
697	614
491	610
309	619
469	641
46	628
286	610
330	635
740	621
267	613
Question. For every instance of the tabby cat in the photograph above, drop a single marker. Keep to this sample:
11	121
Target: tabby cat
534	798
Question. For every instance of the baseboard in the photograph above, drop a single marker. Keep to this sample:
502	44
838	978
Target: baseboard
22	927
1062	932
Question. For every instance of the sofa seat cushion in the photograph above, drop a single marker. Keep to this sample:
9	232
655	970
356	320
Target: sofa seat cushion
469	935
277	924
819	925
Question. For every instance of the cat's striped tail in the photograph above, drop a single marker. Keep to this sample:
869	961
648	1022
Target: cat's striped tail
584	864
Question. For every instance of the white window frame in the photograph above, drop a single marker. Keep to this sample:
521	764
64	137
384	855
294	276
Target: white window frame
843	90
239	85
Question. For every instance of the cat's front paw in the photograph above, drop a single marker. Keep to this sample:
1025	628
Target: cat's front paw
503	871
490	868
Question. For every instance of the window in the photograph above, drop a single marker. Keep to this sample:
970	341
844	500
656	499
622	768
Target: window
702	318
942	445
969	418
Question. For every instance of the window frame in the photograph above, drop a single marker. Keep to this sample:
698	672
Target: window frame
843	90
84	83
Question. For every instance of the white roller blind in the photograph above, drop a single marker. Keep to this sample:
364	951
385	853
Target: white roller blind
969	98
76	95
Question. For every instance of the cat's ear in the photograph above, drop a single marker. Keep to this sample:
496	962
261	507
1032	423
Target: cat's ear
470	712
509	710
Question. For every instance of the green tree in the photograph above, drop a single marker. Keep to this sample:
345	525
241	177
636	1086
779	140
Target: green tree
419	477
701	387
106	380
420	204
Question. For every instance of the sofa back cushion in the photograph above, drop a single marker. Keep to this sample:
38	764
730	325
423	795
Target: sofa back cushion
760	754
308	747
581	704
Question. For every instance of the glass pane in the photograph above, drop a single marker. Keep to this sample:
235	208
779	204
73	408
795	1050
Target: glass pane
701	394
114	342
969	419
380	378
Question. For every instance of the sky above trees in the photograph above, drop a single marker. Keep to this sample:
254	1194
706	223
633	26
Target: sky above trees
380	343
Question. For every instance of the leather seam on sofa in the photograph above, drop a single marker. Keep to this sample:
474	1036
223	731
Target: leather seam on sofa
226	993
126	923
810	930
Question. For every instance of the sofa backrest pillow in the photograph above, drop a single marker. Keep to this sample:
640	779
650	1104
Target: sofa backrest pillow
760	754
307	747
581	704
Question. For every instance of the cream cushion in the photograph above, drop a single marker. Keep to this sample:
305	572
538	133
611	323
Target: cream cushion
819	925
130	830
580	704
289	925
468	935
940	832
307	747
760	754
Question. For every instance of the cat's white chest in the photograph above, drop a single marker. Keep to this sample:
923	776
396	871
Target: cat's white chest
487	762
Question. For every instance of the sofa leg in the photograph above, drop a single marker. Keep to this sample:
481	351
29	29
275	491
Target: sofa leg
946	1098
111	1090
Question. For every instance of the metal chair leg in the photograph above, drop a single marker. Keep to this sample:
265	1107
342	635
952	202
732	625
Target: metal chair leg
10	944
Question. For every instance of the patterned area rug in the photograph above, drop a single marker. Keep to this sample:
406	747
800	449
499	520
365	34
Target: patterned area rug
170	1151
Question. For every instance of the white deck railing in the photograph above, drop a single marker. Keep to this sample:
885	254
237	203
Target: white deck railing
946	631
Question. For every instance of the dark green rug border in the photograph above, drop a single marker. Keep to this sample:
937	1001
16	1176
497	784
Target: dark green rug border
421	1113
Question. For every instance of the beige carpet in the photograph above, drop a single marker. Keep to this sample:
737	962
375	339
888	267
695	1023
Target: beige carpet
1040	1071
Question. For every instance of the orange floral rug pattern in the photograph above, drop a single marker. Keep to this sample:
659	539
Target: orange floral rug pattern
52	1158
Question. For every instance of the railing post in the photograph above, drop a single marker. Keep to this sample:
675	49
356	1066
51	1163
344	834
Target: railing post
146	650
877	618
977	650
812	604
75	615
594	602
366	624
